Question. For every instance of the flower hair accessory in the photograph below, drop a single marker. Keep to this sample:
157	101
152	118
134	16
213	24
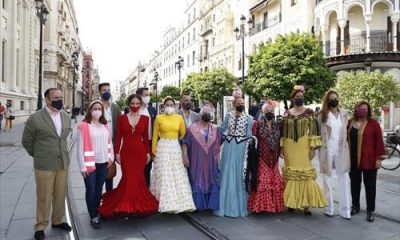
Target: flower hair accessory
299	87
269	103
207	108
237	93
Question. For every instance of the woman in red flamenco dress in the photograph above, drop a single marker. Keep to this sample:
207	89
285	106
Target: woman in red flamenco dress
131	197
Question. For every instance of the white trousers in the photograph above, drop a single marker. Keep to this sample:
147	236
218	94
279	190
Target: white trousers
344	189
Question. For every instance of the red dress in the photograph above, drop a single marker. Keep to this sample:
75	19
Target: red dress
268	196
131	197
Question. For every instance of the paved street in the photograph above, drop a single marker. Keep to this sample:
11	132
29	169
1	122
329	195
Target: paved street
17	211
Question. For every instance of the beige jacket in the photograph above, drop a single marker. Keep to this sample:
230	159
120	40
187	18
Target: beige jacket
344	153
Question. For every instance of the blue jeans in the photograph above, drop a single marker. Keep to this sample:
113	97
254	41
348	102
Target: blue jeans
94	187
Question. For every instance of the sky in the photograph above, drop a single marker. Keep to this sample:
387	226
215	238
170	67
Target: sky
120	33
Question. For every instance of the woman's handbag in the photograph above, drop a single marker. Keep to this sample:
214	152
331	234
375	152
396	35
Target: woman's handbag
112	171
12	117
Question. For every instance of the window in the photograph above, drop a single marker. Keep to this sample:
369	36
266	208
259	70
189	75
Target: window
183	42
193	57
189	18
205	69
213	42
194	34
265	19
293	2
3	60
188	60
3	4
17	67
194	13
21	105
188	38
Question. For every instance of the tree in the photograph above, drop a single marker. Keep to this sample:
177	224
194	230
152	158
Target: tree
210	86
171	91
153	98
121	102
376	88
294	59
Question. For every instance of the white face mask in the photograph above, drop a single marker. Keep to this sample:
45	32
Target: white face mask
146	100
169	110
96	114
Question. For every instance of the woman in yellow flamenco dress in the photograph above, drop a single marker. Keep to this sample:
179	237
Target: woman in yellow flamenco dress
299	139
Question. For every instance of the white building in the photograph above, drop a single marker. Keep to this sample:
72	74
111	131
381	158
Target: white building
60	42
19	28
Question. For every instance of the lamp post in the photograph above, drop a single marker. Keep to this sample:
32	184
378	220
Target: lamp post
179	65
154	83
42	13
368	64
75	63
241	33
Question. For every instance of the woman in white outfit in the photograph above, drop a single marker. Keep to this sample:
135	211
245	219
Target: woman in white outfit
335	154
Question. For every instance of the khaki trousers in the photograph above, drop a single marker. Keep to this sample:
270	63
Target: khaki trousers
51	188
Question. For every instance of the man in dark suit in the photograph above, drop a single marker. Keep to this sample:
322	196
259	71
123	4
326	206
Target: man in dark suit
111	112
151	112
45	139
186	110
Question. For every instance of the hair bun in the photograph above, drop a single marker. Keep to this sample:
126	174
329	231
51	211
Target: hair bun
237	93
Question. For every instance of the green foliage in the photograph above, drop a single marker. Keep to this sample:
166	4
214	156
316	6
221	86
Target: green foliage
172	91
376	88
211	85
295	59
153	98
121	102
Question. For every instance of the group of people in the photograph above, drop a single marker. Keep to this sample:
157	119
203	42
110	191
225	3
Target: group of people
6	112
179	161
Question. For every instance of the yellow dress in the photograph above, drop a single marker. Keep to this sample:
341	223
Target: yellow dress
299	135
169	182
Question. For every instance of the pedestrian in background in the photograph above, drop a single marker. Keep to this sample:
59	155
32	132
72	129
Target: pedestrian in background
111	113
366	153
186	110
237	128
151	113
94	154
267	196
254	109
169	178
334	153
131	197
9	117
300	137
203	140
45	139
2	112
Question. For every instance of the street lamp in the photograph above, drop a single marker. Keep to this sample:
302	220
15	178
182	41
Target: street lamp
179	65
75	63
241	34
154	83
42	13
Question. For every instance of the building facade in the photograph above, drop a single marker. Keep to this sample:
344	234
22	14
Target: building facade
19	28
88	84
362	35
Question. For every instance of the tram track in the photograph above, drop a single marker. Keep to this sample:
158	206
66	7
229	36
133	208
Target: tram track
203	227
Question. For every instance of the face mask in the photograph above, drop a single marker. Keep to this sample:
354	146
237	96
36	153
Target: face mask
187	106
206	117
240	108
299	101
361	113
96	114
333	103
135	109
146	100
106	96
269	115
57	104
169	110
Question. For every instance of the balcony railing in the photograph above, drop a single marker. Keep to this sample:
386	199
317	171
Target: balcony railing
358	45
271	21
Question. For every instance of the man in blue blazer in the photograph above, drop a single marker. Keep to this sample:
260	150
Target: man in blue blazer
151	112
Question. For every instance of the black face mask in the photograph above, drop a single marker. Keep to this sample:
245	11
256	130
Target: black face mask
299	101
187	106
206	117
333	103
57	104
269	115
240	108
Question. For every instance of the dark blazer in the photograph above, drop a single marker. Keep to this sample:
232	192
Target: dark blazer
115	112
41	141
153	115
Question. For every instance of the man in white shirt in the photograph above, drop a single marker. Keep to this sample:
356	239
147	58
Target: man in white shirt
151	112
112	112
